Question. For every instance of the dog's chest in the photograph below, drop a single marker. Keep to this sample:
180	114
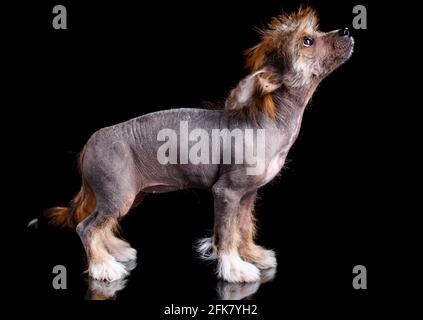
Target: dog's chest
277	162
275	165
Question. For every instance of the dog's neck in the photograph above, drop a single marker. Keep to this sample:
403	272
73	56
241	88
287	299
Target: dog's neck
291	103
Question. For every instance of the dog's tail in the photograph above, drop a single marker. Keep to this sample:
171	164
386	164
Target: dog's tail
81	206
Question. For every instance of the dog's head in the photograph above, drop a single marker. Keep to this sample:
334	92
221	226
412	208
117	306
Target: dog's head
293	45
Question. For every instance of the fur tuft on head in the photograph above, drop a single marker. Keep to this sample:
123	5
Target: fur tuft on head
278	34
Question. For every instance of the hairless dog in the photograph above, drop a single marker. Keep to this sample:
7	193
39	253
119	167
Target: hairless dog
122	163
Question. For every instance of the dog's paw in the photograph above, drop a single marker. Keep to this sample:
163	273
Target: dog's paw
125	254
233	269
266	260
108	270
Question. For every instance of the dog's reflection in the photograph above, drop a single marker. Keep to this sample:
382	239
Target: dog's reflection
103	290
238	291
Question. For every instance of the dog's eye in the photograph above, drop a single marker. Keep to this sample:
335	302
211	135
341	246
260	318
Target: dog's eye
308	41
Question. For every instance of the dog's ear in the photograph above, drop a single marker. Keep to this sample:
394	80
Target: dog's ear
242	93
258	84
253	93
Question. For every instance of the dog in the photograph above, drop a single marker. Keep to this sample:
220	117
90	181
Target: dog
119	164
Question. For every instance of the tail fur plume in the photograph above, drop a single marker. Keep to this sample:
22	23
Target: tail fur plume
81	206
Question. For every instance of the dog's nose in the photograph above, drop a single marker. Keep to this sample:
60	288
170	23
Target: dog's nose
344	32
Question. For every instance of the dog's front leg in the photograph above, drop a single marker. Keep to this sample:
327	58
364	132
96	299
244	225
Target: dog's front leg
248	249
227	238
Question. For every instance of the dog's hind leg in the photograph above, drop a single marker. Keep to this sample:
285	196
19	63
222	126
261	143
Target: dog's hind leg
104	249
110	170
98	231
120	248
94	232
226	239
248	249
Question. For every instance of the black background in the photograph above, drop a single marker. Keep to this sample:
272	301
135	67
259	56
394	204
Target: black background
331	208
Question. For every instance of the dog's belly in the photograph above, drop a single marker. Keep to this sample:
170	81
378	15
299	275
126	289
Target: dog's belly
161	188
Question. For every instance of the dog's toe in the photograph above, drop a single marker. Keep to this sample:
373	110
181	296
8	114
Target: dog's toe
126	254
267	260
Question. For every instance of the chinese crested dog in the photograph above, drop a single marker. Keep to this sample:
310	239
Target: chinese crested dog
119	164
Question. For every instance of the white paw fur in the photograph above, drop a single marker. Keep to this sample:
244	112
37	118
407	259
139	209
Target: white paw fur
109	270
233	269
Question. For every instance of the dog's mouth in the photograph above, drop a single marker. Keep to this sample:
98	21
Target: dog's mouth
351	47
